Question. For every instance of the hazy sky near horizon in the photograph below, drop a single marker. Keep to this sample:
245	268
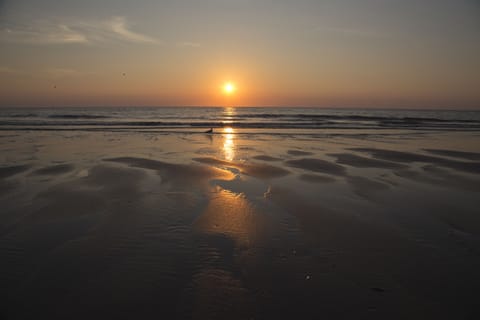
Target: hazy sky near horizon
327	53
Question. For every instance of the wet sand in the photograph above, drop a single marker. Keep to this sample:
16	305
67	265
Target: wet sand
239	225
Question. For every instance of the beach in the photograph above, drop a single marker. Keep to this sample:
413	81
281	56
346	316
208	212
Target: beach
242	223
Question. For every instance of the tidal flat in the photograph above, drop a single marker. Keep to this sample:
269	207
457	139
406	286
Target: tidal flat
239	224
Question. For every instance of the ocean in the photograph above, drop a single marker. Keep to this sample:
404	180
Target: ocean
195	119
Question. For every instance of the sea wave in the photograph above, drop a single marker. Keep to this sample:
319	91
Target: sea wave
257	118
250	124
77	116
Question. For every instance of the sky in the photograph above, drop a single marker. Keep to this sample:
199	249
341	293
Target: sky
318	53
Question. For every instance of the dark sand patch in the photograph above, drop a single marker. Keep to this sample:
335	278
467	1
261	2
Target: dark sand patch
363	162
64	202
317	165
408	174
176	172
365	187
471	167
257	170
396	156
315	178
299	153
364	253
212	289
6	172
459	220
121	251
7	186
263	171
440	178
89	195
473	156
54	170
408	157
116	182
332	228
266	158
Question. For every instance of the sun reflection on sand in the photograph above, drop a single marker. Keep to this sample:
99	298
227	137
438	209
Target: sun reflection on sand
233	215
228	144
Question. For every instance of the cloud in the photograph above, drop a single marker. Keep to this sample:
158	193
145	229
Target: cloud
120	26
78	32
66	73
44	34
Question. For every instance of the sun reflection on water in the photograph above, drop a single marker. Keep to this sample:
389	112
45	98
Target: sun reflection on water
228	143
228	115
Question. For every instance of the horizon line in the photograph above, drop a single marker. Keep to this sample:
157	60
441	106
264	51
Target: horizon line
477	108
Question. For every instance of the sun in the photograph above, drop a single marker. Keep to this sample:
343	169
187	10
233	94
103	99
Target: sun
229	88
